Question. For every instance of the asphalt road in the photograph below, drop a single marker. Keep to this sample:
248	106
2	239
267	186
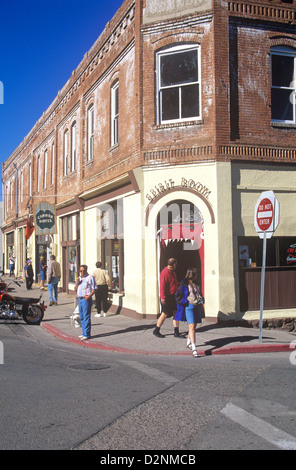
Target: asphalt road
56	395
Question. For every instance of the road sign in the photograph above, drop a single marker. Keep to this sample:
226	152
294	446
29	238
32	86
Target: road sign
266	214
266	221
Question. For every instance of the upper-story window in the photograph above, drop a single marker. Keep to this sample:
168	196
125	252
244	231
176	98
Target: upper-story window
66	152
178	84
52	164
45	170
73	147
90	133
114	113
283	85
38	173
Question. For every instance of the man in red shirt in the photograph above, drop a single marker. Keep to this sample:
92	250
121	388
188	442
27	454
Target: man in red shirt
168	285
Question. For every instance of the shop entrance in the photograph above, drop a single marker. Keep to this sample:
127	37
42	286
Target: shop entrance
180	236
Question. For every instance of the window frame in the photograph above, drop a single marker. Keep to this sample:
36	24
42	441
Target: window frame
45	170
115	114
73	146
159	89
90	132
288	52
66	152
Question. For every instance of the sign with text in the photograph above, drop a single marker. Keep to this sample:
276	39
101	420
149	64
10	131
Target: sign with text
45	219
266	214
266	221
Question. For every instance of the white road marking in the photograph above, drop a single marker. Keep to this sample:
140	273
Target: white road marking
259	427
153	373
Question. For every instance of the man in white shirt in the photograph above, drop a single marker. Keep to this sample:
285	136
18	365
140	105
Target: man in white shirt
85	287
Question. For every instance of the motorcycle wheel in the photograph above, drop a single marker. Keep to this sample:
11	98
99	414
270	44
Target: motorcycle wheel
34	315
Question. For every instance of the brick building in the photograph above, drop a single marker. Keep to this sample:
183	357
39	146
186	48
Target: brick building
159	145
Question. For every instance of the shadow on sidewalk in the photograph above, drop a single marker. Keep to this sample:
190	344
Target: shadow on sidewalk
130	329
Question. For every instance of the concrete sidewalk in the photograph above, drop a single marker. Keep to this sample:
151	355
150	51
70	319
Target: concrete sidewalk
126	335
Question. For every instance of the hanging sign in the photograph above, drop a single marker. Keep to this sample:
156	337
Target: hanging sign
45	219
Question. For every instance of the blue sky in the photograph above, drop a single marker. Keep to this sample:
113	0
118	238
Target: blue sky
41	43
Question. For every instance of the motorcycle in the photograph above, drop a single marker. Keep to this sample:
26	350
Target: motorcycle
11	307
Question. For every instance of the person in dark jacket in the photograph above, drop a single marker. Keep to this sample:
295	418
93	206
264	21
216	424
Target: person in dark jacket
29	274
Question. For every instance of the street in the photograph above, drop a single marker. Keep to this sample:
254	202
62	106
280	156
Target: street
56	395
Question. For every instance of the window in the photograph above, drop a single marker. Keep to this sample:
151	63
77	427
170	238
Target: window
90	134
66	152
21	187
38	173
52	163
178	84
110	234
73	147
30	179
71	247
283	65
45	170
114	113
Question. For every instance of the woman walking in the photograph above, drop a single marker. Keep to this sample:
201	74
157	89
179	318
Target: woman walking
189	301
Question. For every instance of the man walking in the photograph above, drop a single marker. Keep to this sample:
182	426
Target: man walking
102	279
53	278
168	285
85	287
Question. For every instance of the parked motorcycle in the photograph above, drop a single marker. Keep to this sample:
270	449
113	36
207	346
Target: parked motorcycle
11	307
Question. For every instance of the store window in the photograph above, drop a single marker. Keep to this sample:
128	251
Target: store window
283	86
178	84
71	248
280	252
110	234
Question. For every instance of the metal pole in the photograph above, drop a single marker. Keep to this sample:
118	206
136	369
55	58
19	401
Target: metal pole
262	287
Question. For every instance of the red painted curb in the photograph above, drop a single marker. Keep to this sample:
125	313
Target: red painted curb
260	348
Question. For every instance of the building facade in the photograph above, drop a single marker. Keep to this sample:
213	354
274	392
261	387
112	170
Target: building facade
159	145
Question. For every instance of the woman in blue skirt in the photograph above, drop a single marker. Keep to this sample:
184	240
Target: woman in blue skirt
189	305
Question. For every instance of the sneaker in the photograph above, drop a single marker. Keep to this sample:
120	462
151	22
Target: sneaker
194	353
158	334
105	314
189	345
84	338
98	315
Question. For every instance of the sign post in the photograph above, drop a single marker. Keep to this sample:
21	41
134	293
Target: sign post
266	221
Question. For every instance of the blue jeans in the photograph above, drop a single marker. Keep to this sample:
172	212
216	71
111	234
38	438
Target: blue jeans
84	314
53	289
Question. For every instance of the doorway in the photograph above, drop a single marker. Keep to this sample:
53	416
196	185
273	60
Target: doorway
181	236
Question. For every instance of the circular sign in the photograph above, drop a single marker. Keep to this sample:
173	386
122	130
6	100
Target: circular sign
265	214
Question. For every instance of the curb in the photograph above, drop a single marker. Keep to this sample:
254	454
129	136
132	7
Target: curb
256	348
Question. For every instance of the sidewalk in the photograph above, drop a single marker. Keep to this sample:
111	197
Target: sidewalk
126	335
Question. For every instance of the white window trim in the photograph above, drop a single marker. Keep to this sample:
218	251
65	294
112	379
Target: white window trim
66	152
45	170
287	51
173	50
114	114
73	147
90	133
52	163
38	173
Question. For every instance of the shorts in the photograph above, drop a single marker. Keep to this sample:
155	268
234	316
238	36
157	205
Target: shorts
193	313
42	275
170	306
